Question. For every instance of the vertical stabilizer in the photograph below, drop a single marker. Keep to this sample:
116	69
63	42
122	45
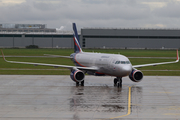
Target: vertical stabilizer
77	47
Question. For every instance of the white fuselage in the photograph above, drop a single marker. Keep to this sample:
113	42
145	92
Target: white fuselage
108	64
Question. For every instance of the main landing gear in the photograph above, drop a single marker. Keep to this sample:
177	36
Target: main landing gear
118	82
82	83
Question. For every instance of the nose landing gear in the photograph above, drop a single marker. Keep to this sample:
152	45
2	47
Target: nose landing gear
118	82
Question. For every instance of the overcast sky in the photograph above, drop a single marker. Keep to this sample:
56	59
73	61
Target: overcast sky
92	13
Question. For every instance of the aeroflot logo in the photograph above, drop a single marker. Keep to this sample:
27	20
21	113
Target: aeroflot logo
77	43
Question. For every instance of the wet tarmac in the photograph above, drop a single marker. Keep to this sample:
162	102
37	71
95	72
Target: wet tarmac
40	97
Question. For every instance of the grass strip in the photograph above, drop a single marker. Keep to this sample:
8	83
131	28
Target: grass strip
67	52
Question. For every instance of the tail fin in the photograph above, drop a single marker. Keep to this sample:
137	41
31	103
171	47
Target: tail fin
77	47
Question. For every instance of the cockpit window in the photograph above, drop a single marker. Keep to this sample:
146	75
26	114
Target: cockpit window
117	62
122	62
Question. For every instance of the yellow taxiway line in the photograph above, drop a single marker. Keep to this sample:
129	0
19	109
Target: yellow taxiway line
129	106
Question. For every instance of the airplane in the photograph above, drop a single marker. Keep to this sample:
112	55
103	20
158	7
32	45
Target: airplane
98	64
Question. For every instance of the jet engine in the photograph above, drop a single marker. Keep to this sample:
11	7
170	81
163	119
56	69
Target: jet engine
77	76
136	75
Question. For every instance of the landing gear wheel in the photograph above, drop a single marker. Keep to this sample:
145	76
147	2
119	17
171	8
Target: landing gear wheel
82	83
115	81
118	85
77	83
118	82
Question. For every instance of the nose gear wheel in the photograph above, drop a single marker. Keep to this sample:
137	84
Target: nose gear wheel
118	82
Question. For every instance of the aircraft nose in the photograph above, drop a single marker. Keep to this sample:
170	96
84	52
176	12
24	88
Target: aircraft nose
127	69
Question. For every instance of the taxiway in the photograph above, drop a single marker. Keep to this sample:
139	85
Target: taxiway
44	97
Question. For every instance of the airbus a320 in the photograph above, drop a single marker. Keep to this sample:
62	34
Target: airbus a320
99	64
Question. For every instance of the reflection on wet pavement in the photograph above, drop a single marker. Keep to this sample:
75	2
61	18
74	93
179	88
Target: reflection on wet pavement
98	99
57	97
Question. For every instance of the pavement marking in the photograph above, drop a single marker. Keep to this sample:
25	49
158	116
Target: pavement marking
162	92
161	70
171	108
172	114
129	105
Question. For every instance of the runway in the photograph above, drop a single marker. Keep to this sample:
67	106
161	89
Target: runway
45	97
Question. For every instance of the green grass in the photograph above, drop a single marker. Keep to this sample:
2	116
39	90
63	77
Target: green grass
128	53
21	69
161	73
34	72
137	53
37	52
138	61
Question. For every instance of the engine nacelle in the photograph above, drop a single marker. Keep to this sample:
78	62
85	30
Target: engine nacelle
136	75
77	76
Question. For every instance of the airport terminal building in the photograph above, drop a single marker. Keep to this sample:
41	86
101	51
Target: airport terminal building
91	38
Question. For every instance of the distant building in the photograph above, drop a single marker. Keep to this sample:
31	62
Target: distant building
130	38
21	35
22	26
25	28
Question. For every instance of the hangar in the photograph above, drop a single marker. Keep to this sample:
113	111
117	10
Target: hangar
43	40
130	38
96	38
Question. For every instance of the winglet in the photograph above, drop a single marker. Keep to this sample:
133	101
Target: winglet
3	55
177	60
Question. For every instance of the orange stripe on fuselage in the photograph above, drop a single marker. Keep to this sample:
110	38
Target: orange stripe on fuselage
78	62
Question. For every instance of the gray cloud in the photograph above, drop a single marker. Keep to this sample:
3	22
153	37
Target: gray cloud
93	13
170	11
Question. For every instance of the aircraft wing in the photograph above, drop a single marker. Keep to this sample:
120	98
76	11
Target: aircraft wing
58	56
154	64
53	65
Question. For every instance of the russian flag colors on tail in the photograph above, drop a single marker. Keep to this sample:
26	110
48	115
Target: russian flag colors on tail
77	47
